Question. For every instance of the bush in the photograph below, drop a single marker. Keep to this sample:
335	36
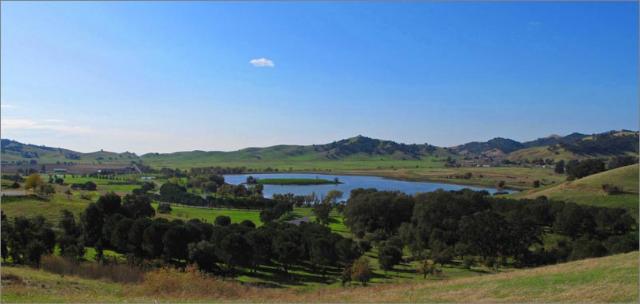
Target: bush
164	208
361	271
612	189
113	272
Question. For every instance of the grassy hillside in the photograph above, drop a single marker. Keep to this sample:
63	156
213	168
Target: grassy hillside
608	279
13	151
588	190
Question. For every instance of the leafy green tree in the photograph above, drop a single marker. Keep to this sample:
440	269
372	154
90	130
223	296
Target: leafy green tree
152	243
138	205
322	253
322	212
234	250
260	242
175	243
109	203
347	250
71	240
288	247
203	254
223	220
559	168
389	256
164	208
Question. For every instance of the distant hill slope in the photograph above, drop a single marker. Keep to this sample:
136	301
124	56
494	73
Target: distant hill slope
13	151
588	190
359	148
606	279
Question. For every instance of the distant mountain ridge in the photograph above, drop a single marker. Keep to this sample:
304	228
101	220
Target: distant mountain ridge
574	145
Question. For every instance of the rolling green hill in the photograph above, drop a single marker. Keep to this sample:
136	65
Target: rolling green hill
354	153
588	190
13	151
607	279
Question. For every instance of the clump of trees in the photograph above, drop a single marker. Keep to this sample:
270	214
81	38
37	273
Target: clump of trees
443	226
88	186
579	169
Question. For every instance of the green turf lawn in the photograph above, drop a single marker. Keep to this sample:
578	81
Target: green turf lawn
125	184
31	206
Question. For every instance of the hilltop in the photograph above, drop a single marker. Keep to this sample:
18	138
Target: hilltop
608	279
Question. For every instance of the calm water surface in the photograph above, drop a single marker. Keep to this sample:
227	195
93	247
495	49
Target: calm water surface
349	182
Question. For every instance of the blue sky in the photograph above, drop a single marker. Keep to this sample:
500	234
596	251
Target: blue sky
167	76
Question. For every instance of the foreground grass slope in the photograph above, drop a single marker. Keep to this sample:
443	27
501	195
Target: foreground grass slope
608	279
588	190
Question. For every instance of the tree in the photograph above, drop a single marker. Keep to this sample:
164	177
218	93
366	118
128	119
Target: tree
347	250
333	196
203	254
579	169
234	250
322	253
559	168
45	190
222	220
361	271
288	247
260	241
164	208
91	221
120	234
138	205
34	251
175	242
90	186
135	236
109	203
389	256
71	240
621	161
152	236
368	210
536	183
322	212
33	181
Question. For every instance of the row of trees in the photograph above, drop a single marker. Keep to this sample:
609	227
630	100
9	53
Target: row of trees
578	169
446	225
124	224
174	193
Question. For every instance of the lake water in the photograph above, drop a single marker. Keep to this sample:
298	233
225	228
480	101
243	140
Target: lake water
348	183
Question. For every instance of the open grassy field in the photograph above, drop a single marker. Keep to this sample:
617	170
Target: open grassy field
588	190
514	177
608	279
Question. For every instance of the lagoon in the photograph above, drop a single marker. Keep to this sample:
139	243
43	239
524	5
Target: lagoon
347	183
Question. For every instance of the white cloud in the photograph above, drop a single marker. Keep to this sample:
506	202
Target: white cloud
55	125
262	63
6	106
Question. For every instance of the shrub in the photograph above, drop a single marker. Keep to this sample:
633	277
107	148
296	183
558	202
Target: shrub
113	272
164	208
361	271
612	189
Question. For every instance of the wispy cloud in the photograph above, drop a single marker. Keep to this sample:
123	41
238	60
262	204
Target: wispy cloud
6	106
262	63
54	125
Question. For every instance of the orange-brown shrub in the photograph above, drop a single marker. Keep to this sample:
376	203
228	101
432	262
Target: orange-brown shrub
113	272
